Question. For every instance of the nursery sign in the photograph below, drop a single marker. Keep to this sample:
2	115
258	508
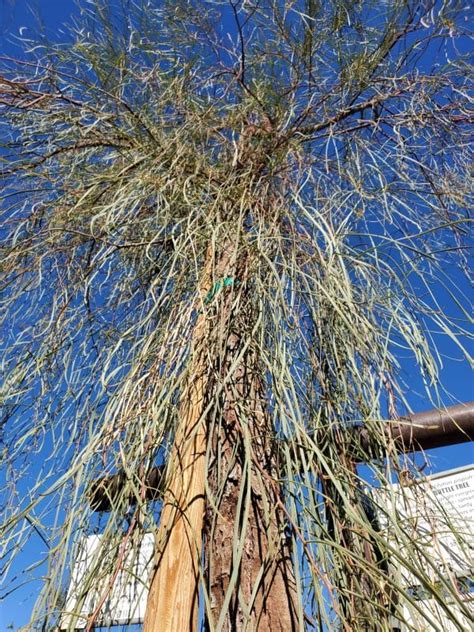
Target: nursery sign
119	590
439	511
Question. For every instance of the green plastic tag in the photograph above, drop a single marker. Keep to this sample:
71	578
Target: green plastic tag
216	288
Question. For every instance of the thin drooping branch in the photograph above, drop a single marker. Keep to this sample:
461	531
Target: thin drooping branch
319	146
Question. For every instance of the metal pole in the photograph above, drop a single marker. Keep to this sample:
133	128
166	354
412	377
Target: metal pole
420	431
430	429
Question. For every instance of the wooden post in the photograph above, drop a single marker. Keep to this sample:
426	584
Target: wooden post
173	597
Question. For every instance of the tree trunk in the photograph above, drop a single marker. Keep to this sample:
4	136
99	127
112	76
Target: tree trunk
362	599
249	569
262	594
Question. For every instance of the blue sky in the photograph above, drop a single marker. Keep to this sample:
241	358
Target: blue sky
20	16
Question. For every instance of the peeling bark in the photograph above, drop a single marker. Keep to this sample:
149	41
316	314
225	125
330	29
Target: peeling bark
251	588
249	568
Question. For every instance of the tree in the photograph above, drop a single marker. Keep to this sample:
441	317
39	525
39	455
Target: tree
224	224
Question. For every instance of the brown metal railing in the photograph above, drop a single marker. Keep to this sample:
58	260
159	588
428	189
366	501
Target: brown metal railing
421	431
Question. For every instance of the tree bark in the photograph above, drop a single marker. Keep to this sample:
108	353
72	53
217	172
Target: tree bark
249	568
245	532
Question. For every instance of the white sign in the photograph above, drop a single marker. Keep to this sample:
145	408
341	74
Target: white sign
113	583
430	610
437	515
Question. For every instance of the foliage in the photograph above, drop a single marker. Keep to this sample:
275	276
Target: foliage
327	143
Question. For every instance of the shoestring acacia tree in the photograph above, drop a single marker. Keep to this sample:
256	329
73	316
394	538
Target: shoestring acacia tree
225	225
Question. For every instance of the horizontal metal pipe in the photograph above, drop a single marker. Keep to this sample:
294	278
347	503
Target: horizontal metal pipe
431	429
420	431
105	492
